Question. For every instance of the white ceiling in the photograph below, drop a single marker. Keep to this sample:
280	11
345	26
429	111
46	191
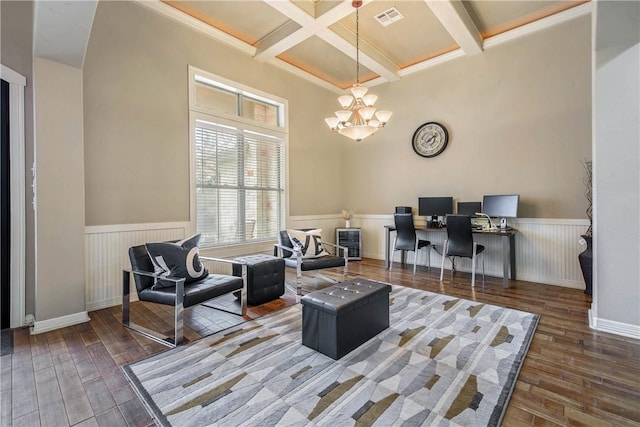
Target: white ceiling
62	29
316	40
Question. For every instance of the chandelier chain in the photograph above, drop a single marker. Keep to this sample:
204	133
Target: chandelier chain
357	45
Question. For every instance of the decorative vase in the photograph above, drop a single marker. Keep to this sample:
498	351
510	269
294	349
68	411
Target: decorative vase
586	264
347	223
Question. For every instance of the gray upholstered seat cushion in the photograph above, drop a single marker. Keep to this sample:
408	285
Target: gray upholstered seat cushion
213	286
308	264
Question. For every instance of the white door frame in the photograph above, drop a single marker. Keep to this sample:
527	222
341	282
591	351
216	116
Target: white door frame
17	83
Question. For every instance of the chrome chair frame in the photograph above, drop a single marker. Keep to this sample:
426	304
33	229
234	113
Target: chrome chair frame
179	303
297	254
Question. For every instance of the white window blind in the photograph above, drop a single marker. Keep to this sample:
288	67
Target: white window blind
239	184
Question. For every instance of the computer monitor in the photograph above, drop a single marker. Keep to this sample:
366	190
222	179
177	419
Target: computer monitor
501	206
435	207
469	208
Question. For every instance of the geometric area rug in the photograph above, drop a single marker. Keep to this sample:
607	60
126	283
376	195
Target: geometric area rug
443	361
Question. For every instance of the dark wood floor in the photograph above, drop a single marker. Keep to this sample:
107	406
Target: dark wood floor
572	375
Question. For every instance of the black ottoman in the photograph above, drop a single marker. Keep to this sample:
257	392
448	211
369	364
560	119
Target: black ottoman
338	319
265	277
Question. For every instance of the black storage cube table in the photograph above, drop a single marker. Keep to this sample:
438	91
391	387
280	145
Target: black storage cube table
338	319
265	277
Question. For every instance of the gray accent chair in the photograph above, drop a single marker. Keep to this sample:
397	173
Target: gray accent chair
293	258
181	296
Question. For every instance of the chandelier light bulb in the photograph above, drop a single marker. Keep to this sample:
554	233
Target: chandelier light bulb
359	91
369	99
332	122
366	113
345	101
383	116
343	115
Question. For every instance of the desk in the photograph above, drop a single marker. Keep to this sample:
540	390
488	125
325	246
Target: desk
508	248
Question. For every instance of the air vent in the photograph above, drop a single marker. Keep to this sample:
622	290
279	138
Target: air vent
389	16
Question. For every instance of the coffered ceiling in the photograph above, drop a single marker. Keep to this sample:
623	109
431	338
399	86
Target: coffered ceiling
317	38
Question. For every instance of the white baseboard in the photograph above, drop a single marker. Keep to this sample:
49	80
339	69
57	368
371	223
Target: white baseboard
613	327
29	319
554	281
59	322
109	302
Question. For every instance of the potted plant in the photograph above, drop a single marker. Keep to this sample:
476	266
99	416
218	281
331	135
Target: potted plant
346	215
586	256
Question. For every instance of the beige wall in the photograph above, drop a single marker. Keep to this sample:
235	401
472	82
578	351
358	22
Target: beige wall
616	233
136	119
519	119
519	123
60	289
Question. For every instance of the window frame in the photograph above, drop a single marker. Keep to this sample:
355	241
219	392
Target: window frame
200	113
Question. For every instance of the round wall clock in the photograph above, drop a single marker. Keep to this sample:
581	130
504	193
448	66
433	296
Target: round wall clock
430	139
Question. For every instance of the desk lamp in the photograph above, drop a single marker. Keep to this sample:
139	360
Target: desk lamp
491	226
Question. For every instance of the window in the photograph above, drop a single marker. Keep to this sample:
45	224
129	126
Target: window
239	162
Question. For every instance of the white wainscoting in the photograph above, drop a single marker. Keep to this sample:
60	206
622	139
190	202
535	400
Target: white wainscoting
106	255
106	252
546	250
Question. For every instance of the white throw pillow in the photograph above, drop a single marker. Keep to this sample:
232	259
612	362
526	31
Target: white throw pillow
177	260
308	241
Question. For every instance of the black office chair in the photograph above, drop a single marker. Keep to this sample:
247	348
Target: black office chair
407	240
460	243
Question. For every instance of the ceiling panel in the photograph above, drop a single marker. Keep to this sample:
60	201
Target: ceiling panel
416	37
316	8
496	17
319	58
249	21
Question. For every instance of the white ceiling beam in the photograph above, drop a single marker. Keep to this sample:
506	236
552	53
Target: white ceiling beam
388	72
456	20
337	13
306	26
280	41
533	27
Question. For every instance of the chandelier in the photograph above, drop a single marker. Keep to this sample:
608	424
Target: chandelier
356	119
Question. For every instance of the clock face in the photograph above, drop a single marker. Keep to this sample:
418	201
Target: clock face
430	139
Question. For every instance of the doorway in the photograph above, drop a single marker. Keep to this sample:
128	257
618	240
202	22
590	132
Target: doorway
5	211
